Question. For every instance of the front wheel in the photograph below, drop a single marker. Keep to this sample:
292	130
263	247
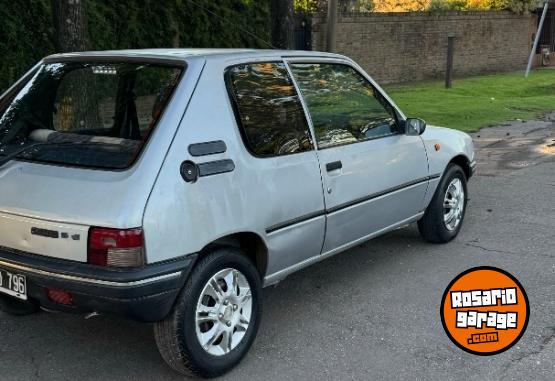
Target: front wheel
216	317
444	216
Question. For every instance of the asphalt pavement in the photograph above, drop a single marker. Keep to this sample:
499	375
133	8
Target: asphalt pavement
371	313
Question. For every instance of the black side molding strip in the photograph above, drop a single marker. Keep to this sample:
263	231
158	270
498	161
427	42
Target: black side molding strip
207	148
215	167
382	193
310	216
294	221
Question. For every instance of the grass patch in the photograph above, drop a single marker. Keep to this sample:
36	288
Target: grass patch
480	101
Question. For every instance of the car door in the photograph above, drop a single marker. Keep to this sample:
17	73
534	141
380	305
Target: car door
282	185
375	177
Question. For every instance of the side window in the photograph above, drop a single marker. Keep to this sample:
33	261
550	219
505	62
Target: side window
269	112
344	106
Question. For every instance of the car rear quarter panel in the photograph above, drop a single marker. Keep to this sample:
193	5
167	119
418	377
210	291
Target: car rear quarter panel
182	218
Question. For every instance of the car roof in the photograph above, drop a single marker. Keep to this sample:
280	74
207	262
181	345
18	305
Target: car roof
209	54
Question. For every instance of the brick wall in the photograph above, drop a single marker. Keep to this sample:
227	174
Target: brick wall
401	47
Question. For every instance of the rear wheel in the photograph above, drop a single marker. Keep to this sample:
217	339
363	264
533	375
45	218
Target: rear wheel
16	307
216	317
444	216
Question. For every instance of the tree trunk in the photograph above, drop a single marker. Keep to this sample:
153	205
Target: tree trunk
282	23
70	25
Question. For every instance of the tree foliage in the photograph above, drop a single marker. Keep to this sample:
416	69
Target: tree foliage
517	6
401	5
306	5
359	5
26	34
27	31
120	24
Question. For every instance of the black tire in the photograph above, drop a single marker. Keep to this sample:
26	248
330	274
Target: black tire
16	307
432	226
176	335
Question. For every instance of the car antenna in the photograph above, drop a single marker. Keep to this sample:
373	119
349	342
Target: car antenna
223	19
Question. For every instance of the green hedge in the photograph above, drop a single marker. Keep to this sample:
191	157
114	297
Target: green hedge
25	36
27	32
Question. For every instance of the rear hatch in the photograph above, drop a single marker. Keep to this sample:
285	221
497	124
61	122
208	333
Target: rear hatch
72	149
48	209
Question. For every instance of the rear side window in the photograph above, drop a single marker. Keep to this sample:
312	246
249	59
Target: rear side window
87	114
269	112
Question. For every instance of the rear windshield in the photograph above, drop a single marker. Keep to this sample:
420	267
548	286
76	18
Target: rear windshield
86	114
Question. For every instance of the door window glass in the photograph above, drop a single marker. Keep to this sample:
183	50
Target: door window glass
344	106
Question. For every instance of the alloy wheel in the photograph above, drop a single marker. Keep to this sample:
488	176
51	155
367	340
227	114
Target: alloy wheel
223	312
453	204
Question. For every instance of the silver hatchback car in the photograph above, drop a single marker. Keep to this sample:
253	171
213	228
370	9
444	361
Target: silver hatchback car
170	186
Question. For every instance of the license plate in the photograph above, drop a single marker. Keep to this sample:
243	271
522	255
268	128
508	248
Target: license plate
13	284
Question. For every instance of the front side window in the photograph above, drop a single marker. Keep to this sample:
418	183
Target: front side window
269	112
86	114
344	106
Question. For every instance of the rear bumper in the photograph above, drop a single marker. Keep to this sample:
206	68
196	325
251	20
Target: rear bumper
145	294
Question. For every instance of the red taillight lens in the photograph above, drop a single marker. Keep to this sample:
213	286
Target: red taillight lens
116	247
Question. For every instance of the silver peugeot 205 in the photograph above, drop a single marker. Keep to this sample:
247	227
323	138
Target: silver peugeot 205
170	186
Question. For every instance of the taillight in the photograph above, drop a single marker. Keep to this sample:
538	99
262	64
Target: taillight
116	247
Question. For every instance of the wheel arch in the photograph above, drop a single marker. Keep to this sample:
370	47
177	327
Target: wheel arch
464	162
250	243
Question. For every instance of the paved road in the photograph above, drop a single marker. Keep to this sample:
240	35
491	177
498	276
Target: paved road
370	313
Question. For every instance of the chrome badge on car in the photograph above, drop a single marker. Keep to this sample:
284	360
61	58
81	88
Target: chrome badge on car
54	234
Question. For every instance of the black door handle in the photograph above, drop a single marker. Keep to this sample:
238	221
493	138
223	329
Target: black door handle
334	165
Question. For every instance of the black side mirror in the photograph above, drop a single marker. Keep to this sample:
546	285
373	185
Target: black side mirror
414	126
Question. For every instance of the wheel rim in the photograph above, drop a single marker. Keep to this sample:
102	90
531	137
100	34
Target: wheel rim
453	204
224	311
